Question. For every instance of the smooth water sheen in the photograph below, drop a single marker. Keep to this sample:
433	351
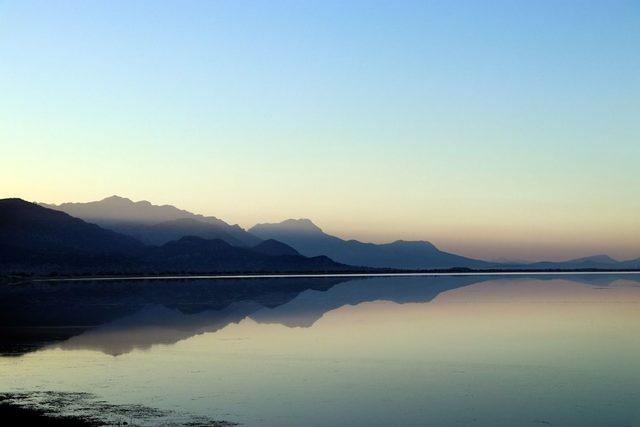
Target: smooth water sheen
437	351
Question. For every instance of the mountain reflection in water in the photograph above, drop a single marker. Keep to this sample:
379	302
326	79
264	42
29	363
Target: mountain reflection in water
117	317
437	350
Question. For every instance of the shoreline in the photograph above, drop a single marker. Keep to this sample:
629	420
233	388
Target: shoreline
16	414
235	276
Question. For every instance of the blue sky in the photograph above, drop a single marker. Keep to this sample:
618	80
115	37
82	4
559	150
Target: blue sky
496	128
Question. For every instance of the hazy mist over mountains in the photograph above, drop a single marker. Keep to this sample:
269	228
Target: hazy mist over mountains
157	225
36	239
310	240
153	224
119	235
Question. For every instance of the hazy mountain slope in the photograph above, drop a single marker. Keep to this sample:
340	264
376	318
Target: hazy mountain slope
193	254
632	264
34	239
274	247
143	220
600	262
30	226
310	240
41	240
163	232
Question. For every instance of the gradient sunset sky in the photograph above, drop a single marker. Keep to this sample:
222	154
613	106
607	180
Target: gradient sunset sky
491	128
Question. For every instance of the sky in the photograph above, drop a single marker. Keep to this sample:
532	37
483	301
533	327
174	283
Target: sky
495	129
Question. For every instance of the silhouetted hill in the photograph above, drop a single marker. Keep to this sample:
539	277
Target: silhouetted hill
600	262
31	235
310	240
161	233
194	254
35	239
632	264
153	224
274	247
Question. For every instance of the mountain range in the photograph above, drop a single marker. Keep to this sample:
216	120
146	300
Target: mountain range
154	224
119	235
310	240
602	262
42	240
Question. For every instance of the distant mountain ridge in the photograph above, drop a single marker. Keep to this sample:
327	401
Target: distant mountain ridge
166	231
154	224
197	254
600	262
309	239
145	224
37	239
274	247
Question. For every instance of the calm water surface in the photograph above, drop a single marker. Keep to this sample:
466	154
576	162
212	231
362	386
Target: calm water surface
436	351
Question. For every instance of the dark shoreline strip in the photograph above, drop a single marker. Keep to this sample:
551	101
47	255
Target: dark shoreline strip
15	414
354	275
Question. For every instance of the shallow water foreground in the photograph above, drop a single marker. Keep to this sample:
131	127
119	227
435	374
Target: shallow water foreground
437	351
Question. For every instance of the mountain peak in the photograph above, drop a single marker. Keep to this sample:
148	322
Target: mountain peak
274	247
116	199
44	232
414	244
598	258
300	225
140	219
14	201
124	201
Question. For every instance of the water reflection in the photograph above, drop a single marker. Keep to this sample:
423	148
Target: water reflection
118	317
439	351
36	313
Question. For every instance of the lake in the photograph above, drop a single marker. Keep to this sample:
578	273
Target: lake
491	350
